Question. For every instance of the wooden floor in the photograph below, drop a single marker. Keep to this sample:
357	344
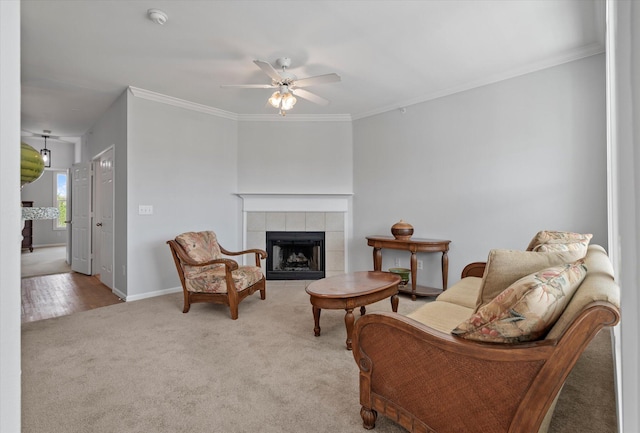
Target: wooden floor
61	294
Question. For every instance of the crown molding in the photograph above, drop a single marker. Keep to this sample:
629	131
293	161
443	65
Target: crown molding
295	118
176	102
580	53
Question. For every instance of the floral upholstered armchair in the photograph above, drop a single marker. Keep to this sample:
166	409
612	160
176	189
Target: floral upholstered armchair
207	276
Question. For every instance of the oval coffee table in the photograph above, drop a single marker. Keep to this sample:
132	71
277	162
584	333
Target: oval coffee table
348	291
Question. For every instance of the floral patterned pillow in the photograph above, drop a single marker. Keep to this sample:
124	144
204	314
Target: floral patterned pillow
546	237
200	246
580	247
527	309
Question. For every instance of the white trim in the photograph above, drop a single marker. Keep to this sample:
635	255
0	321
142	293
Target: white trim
146	295
194	106
295	202
176	102
295	118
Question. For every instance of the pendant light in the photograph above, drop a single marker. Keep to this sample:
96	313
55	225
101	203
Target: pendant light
46	153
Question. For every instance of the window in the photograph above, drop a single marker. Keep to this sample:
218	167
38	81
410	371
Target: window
60	199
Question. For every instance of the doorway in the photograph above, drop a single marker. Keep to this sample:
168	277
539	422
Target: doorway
92	217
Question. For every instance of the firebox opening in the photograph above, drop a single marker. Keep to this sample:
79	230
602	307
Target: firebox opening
295	255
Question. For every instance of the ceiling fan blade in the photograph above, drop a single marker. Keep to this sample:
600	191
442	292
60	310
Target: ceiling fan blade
269	70
250	86
305	94
318	79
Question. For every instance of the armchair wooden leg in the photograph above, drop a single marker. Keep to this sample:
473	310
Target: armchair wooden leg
263	293
368	417
234	311
187	303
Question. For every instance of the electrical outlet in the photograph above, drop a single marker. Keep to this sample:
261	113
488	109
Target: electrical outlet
397	263
145	209
419	264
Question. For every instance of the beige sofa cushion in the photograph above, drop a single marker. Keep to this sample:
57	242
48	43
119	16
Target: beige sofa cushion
443	316
505	267
527	309
464	292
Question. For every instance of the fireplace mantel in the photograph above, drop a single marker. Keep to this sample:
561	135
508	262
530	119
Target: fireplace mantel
261	202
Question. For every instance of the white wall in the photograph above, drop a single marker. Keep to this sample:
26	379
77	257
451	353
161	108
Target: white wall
111	131
10	224
624	94
295	157
184	164
486	168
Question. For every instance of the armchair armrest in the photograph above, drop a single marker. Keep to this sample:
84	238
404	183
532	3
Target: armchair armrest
259	254
229	264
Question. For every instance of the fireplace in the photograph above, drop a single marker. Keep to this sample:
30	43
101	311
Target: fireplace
295	255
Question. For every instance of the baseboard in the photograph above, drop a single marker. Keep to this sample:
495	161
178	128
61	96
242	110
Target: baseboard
149	294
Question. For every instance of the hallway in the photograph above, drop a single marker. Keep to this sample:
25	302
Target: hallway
56	295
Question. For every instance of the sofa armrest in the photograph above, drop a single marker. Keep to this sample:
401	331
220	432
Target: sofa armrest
427	380
475	269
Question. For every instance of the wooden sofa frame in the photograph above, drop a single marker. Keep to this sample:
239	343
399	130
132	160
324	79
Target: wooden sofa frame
429	381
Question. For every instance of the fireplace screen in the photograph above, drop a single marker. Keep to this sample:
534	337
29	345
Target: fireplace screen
295	255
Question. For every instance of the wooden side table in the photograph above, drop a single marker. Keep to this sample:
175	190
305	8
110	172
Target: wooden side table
414	245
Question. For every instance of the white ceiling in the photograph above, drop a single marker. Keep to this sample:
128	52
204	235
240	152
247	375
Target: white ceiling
79	56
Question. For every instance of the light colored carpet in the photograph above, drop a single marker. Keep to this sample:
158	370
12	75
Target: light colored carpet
44	261
144	366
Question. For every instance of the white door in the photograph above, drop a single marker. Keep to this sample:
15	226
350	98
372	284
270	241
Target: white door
68	257
105	214
81	178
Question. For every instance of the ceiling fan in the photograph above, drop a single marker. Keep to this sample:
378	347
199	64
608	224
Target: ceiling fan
288	85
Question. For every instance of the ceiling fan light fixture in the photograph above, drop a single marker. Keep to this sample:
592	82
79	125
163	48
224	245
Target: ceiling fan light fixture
288	101
275	99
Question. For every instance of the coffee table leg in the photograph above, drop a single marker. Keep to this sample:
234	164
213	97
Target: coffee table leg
394	303
349	320
316	320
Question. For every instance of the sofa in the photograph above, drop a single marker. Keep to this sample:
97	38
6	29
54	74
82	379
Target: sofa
434	371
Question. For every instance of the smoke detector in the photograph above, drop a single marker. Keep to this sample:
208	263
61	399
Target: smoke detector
157	16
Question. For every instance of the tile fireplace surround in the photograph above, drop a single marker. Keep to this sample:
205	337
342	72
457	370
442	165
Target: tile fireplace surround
294	212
